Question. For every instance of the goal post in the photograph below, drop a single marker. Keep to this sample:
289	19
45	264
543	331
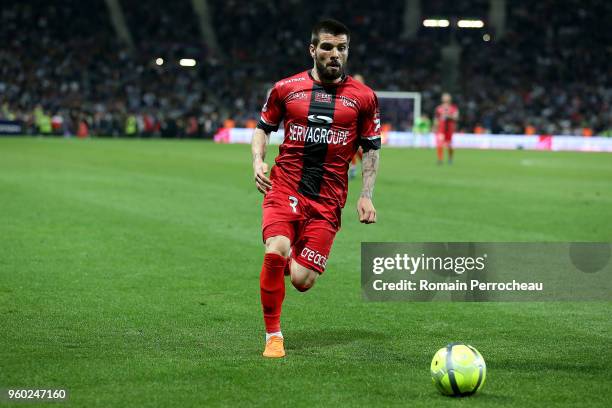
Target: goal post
384	96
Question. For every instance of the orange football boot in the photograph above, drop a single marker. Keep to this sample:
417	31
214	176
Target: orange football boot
274	347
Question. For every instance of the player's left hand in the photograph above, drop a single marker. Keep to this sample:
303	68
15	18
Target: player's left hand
366	211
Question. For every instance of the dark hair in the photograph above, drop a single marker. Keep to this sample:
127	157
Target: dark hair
329	26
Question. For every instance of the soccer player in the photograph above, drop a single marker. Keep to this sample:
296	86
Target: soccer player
445	122
420	128
327	116
358	157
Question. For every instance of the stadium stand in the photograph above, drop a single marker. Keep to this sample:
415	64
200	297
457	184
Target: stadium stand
62	62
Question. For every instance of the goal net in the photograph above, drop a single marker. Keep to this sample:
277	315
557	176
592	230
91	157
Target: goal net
399	110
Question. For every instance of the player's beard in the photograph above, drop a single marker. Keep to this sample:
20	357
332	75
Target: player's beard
328	74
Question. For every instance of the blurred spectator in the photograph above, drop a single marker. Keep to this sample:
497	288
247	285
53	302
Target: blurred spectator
549	74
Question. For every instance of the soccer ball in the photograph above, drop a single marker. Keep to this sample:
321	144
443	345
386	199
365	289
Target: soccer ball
458	370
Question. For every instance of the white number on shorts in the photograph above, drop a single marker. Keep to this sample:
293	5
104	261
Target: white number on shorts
293	202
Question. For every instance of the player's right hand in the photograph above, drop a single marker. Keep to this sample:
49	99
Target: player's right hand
263	183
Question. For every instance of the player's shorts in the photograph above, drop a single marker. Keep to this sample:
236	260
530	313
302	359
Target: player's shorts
448	136
444	137
310	225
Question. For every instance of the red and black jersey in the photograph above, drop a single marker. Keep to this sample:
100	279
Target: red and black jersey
324	127
446	115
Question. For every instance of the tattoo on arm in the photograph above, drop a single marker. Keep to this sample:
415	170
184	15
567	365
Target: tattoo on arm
258	144
369	167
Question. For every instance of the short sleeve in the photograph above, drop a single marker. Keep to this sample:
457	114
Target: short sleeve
272	112
369	125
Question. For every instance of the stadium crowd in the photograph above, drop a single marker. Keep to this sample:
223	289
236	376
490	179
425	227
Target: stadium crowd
550	72
64	71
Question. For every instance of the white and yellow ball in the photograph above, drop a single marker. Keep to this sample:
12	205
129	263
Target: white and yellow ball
458	370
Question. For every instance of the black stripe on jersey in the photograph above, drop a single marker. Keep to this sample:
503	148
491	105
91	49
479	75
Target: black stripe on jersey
320	115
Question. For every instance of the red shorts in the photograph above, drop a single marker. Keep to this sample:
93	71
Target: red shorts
310	225
446	137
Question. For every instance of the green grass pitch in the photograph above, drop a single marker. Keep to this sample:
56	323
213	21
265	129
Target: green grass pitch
129	276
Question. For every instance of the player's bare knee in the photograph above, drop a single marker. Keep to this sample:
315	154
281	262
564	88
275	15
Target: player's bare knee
279	245
302	288
302	284
303	279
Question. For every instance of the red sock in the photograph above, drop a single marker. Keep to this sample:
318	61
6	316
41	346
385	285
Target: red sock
440	152
272	289
450	153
